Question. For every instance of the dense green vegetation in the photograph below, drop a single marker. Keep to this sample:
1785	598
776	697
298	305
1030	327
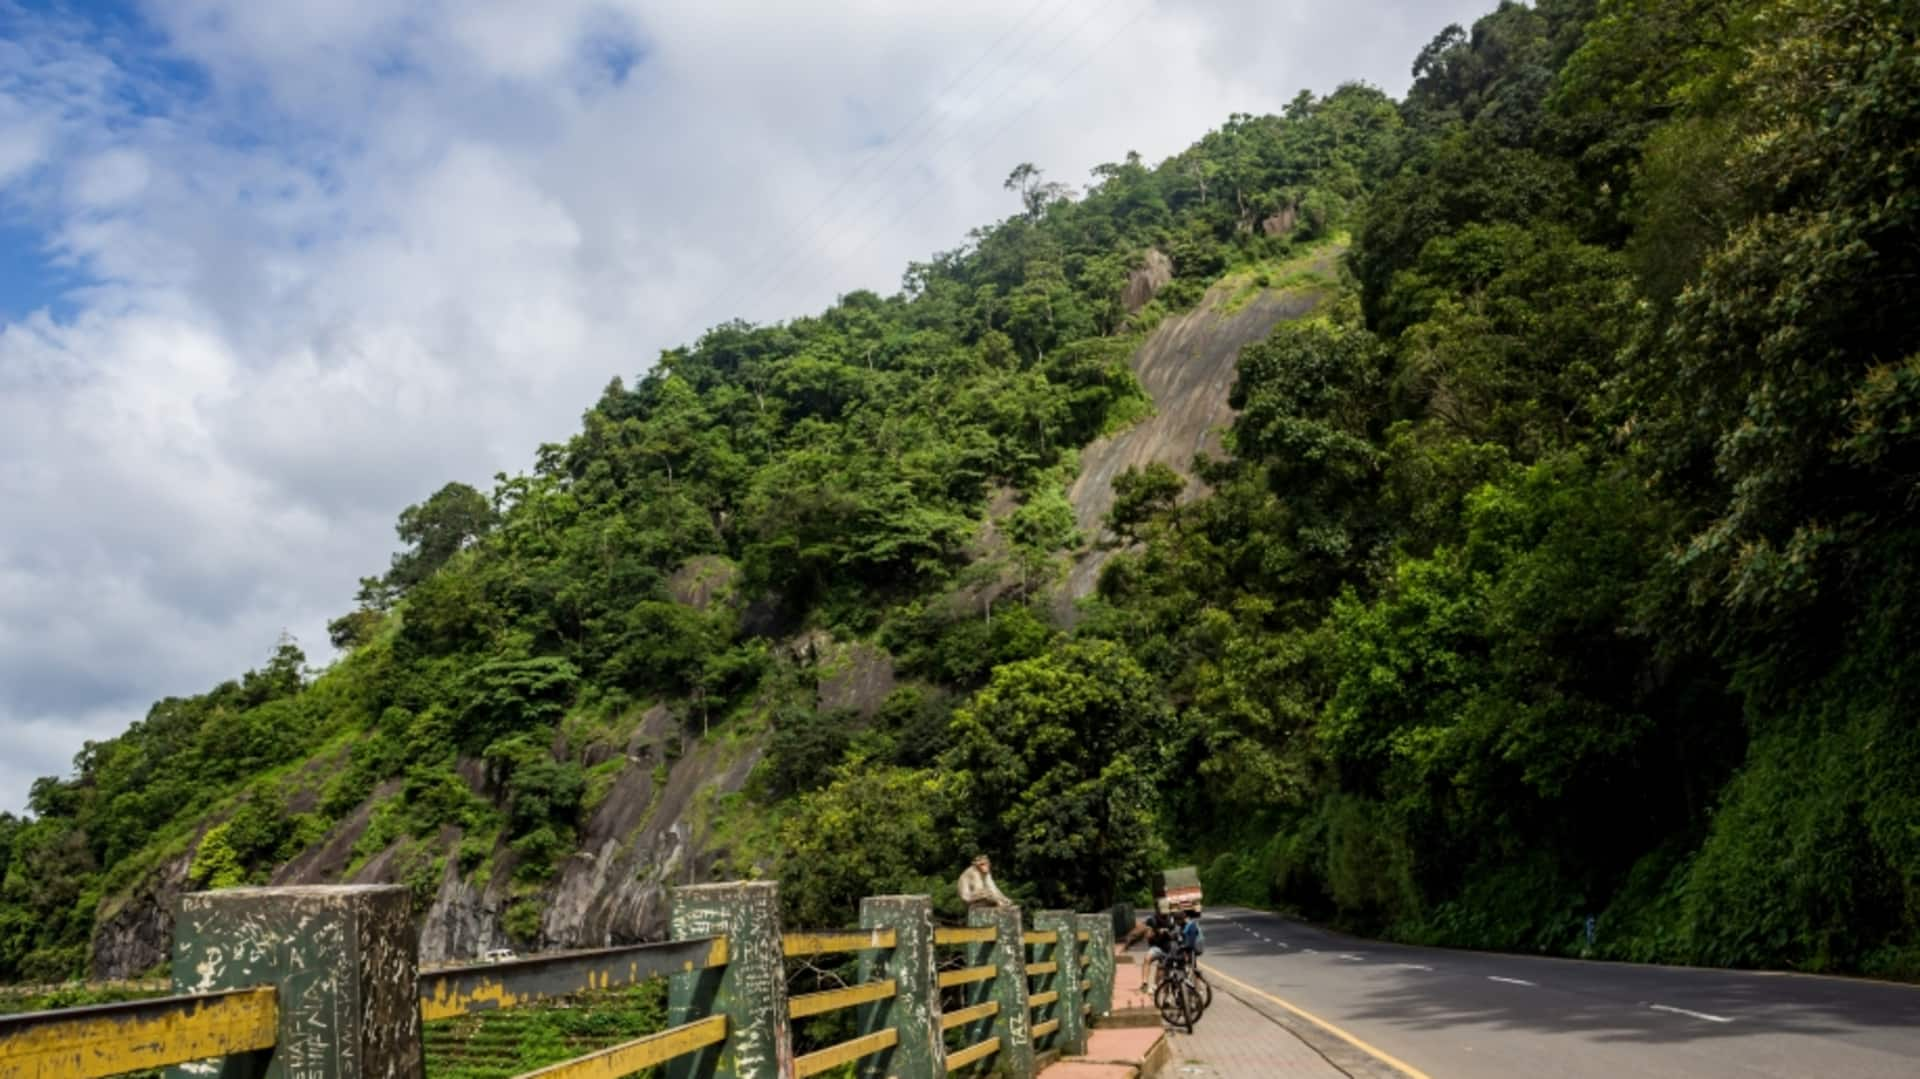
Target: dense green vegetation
509	1042
1562	565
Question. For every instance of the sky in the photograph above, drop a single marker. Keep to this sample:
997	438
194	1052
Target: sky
270	272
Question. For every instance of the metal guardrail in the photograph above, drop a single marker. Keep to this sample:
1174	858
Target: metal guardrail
108	1039
452	991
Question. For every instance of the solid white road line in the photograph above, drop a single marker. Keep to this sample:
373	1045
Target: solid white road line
1509	981
1694	1014
1351	958
1415	966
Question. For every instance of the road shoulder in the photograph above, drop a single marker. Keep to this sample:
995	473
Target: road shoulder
1237	1040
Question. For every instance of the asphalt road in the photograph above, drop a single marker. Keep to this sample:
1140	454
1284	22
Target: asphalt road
1469	1014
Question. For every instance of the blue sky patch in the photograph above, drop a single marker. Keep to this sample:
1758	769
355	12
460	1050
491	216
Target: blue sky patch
30	278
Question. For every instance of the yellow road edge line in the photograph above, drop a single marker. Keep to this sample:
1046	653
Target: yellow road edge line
1382	1056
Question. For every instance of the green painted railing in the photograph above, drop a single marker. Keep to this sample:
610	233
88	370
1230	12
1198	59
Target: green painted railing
323	983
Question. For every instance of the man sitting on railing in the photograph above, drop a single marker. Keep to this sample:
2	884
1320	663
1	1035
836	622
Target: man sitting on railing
977	889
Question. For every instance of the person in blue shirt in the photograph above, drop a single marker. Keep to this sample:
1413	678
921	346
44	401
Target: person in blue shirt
1190	932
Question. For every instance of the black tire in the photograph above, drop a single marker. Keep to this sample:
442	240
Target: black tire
1178	1001
1172	1005
1194	1006
1206	989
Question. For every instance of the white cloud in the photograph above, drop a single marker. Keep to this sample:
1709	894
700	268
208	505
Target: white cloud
341	252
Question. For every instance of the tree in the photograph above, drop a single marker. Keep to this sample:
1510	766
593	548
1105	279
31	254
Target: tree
1142	496
1035	193
505	696
873	831
435	530
1056	766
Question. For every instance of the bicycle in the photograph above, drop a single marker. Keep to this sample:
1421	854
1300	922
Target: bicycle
1181	993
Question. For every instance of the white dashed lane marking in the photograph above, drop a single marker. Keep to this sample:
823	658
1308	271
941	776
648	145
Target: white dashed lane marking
1509	981
1414	966
1351	958
1694	1014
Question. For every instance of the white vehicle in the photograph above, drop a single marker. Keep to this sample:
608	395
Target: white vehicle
499	955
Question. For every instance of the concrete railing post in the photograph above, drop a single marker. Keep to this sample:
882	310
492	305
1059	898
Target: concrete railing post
1008	952
914	1011
751	990
1099	963
1066	979
344	959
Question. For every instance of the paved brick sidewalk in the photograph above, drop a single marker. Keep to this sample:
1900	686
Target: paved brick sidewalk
1232	1041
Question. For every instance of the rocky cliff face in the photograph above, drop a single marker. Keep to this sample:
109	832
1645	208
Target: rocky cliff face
138	935
1187	367
649	833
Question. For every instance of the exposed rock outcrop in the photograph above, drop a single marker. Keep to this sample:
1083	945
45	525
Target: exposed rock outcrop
645	837
1187	366
702	581
1144	283
138	936
850	675
1281	223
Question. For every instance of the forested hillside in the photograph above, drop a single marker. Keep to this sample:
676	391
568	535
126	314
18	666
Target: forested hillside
1561	564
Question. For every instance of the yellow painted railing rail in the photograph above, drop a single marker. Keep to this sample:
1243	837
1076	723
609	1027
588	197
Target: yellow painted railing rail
794	945
1036	970
1041	1000
108	1039
630	1057
948	934
832	1000
1040	936
977	1051
962	1016
835	1055
1041	1030
963	976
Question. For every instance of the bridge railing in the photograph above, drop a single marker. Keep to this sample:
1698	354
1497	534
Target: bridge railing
323	983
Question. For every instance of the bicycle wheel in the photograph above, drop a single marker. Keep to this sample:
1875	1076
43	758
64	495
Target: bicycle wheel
1172	1005
1206	989
1192	1003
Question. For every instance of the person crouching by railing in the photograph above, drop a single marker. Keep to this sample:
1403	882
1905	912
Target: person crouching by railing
977	889
1160	933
